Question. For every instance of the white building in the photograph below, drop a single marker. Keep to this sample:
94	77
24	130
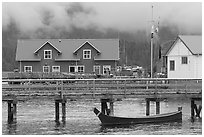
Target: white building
184	58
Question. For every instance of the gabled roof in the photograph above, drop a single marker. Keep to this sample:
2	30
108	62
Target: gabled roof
109	48
192	42
44	45
84	44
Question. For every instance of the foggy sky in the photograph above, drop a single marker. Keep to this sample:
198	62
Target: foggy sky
123	16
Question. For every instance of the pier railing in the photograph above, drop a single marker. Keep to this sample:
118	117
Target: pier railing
119	86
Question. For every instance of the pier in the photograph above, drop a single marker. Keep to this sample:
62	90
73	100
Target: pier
154	89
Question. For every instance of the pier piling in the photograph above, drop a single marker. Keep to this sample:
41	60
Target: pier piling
157	100
195	111
12	110
157	107
104	106
60	99
147	107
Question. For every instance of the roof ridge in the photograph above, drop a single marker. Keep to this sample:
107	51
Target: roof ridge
70	39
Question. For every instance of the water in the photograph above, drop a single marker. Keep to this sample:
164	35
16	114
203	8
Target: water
36	117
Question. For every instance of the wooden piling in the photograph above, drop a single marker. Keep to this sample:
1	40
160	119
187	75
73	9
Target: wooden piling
56	110
111	108
147	107
104	106
157	107
10	111
14	111
63	110
192	108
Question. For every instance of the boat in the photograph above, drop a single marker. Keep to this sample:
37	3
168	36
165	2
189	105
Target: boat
107	120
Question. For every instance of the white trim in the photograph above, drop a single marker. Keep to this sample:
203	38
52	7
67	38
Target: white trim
58	68
66	59
50	53
107	59
87	54
80	66
186	60
44	45
29	67
76	68
170	65
99	67
98	114
84	44
44	69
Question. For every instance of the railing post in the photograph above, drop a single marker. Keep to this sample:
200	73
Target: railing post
125	88
94	88
147	85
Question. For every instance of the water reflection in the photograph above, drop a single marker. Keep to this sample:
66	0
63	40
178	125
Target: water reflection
12	127
60	125
141	127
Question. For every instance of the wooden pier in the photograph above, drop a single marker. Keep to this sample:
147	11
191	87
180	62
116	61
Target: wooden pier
150	89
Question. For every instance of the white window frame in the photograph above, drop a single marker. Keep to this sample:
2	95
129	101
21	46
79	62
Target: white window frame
174	67
25	70
44	69
74	69
56	70
184	63
48	54
80	66
97	66
106	66
86	56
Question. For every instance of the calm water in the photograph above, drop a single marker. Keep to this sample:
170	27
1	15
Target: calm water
36	117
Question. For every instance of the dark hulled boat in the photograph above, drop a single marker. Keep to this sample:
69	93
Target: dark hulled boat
113	120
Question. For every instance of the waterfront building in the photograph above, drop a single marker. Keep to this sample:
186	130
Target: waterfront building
184	57
98	56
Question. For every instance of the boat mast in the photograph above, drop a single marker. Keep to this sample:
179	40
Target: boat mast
151	45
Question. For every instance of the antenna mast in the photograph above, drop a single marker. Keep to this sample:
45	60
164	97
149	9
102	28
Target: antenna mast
152	33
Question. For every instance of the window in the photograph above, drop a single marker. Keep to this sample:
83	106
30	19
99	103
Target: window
86	54
76	69
55	68
72	69
184	60
46	69
27	68
97	69
172	65
106	69
47	54
80	68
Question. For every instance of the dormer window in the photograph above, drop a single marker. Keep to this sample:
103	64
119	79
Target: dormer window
87	54
47	54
